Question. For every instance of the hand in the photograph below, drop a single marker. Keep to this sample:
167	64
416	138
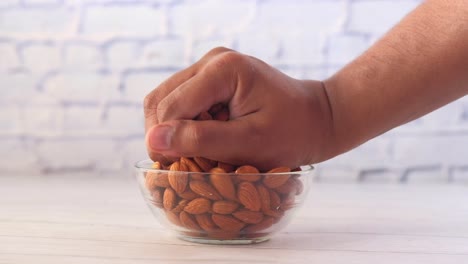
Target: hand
274	121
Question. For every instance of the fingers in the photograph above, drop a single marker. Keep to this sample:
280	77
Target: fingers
165	101
226	141
152	100
216	82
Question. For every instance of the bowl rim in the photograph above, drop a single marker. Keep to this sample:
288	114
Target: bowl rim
145	165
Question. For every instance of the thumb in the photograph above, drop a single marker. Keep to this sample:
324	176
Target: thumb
231	141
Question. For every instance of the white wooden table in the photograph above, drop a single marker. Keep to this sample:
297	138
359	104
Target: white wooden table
83	220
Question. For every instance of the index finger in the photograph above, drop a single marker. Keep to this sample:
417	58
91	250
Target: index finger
153	99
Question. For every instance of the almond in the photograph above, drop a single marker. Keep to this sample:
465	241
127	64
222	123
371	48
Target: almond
173	218
169	199
264	197
274	181
288	202
178	181
204	163
275	200
188	221
197	176
274	213
188	195
205	222
227	223
248	196
180	206
224	207
157	196
247	169
156	165
264	224
226	166
248	217
223	183
198	206
156	179
288	187
204	116
280	170
216	108
222	115
299	186
191	165
205	190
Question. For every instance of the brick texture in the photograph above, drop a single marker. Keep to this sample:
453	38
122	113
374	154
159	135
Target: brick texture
73	76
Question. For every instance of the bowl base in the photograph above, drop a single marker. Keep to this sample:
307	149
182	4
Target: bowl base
212	241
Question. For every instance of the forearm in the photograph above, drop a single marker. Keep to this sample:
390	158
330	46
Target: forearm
420	65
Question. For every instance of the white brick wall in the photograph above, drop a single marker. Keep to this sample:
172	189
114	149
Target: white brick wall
73	74
118	19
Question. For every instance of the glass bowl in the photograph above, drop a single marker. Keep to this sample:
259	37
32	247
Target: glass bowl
223	208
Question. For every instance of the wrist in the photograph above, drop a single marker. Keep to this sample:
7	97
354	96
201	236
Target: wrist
322	126
350	126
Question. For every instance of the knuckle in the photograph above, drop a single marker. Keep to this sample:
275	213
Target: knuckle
148	101
217	50
162	109
149	104
226	61
169	106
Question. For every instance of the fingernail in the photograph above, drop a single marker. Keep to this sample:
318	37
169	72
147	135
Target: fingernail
160	137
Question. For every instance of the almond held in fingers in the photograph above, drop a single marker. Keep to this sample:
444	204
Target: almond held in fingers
204	116
248	217
247	169
223	183
227	222
224	207
248	196
274	181
205	222
169	199
188	221
214	109
204	189
222	115
198	206
178	181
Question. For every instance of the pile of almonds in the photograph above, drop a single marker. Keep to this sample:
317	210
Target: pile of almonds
210	203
